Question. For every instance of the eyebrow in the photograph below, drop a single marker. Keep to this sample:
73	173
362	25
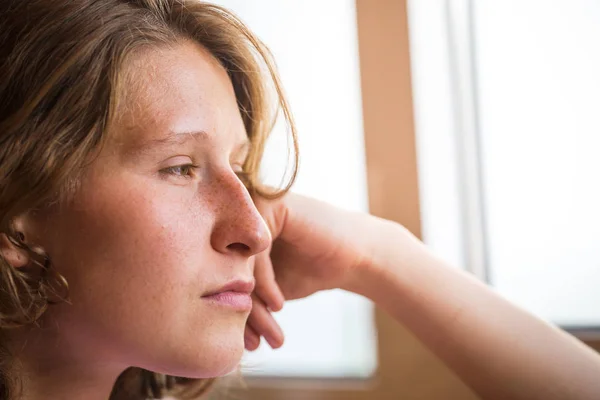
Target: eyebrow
179	138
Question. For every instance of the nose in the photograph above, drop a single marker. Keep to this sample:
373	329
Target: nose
239	228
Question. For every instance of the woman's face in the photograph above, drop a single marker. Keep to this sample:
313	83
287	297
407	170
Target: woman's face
161	221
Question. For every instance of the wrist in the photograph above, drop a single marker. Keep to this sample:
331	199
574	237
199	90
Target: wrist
391	253
381	239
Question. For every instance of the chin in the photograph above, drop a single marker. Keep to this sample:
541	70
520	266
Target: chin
213	359
223	363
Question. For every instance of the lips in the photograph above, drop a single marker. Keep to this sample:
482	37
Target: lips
233	295
235	286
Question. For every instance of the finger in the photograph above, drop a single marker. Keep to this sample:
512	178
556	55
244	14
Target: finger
266	286
264	324
251	339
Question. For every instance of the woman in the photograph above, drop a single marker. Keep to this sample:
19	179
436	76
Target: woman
133	222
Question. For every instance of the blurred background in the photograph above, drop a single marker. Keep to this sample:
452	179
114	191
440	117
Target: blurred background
476	124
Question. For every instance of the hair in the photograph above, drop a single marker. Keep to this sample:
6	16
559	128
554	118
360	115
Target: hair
61	67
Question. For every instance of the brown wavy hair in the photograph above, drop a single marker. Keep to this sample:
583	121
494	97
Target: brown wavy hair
61	65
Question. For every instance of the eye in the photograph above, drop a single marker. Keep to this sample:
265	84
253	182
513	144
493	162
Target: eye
244	177
238	168
184	170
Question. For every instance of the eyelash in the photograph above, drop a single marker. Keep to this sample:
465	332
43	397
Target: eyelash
242	175
171	170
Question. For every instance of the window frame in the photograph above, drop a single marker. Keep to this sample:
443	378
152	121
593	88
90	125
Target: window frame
405	366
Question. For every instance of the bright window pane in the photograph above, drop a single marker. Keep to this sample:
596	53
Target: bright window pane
538	66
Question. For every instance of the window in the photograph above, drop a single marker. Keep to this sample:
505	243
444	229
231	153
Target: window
329	334
507	100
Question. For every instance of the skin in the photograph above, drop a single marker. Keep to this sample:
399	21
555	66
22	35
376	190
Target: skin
145	239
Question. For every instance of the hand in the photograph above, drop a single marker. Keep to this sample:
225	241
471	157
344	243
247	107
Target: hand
315	247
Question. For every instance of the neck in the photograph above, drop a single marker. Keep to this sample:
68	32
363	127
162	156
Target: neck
65	383
44	369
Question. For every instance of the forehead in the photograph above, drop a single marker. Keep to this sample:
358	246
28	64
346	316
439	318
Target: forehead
176	88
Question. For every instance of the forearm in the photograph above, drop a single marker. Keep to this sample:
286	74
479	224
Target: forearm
501	351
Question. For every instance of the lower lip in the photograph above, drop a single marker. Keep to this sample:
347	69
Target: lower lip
236	300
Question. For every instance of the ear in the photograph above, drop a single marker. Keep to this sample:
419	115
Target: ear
13	254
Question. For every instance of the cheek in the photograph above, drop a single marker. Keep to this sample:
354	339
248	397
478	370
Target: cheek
124	244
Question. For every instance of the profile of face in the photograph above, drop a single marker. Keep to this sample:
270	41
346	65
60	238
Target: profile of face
161	221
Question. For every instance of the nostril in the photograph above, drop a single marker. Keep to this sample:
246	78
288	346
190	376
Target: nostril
239	247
